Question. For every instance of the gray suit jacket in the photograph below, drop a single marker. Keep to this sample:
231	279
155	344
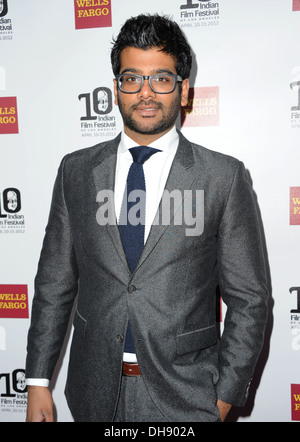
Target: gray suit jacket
170	299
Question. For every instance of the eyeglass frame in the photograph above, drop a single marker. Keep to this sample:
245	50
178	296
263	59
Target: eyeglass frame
177	78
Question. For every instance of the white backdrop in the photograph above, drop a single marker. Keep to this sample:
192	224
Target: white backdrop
55	82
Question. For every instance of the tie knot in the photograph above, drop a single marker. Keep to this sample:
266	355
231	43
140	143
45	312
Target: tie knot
140	154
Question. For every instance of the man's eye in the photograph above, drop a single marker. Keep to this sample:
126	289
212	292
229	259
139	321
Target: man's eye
162	79
130	80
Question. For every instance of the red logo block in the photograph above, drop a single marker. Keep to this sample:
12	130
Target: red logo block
296	5
294	206
92	14
202	108
295	399
8	115
14	301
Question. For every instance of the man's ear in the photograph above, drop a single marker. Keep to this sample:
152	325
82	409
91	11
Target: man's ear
116	92
185	87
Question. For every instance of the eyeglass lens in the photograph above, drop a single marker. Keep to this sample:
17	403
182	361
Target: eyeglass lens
160	83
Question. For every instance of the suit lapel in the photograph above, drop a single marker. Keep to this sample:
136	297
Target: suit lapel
181	177
104	179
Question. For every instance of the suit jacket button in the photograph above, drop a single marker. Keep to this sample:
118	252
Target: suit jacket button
131	288
120	338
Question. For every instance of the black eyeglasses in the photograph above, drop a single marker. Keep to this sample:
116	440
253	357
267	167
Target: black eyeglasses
159	83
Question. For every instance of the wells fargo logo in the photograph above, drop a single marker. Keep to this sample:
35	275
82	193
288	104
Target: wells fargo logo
13	301
295	399
296	5
8	115
202	108
294	206
92	14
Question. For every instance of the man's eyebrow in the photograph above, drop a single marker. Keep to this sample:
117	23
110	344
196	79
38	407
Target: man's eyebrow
165	71
154	72
133	71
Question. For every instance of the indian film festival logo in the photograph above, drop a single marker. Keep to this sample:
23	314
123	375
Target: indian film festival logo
92	14
13	392
3	8
12	221
194	13
295	319
6	32
295	88
96	119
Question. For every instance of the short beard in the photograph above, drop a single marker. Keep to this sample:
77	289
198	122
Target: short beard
166	123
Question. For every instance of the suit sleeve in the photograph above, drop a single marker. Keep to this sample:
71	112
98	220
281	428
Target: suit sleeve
55	289
244	290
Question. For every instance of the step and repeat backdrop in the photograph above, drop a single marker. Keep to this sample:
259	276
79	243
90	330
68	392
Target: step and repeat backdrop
56	96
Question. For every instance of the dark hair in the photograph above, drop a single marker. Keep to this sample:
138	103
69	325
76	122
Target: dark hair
153	31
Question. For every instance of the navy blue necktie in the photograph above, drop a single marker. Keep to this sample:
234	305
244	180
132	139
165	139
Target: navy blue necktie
132	216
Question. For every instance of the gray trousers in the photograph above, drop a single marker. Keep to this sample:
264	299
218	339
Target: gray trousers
135	404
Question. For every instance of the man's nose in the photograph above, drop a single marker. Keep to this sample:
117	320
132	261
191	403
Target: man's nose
146	90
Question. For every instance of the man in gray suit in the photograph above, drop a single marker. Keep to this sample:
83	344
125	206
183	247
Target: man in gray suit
145	345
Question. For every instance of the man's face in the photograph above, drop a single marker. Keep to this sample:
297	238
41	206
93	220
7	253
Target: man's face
146	113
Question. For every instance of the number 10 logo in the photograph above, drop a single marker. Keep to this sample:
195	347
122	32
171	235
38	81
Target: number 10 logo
191	5
100	99
10	201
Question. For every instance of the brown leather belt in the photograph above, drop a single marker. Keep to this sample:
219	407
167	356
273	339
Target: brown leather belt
131	369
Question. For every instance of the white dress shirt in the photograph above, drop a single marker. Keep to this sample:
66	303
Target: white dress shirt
156	170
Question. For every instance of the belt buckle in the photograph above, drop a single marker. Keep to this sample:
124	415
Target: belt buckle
131	369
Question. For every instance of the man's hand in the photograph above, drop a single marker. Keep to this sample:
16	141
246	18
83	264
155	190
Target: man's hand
39	405
224	409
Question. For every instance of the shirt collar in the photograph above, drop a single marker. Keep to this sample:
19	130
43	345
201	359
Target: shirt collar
167	143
